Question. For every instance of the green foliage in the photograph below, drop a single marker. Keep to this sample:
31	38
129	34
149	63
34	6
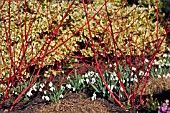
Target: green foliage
77	82
152	105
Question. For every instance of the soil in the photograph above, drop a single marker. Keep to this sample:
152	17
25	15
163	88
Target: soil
72	103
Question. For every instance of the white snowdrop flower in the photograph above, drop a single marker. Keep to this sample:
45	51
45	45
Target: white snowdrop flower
165	55
86	75
156	69
136	80
50	84
115	87
110	65
131	73
159	76
168	48
141	73
123	81
164	76
68	86
107	74
114	74
133	68
93	97
81	81
74	89
156	62
45	92
96	75
93	81
167	64
87	80
111	77
159	66
131	79
116	78
121	89
121	95
127	79
164	60
168	75
42	85
40	89
52	89
16	93
29	93
68	78
146	60
61	96
91	73
34	87
45	98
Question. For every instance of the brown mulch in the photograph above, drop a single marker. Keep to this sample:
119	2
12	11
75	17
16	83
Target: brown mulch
73	103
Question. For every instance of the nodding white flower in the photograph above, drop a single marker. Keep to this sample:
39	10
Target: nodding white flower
52	89
121	89
167	64
74	89
156	62
159	76
29	93
45	92
146	60
50	84
91	73
116	78
96	74
165	55
87	80
110	65
114	74
141	73
164	76
34	87
45	98
40	89
93	97
156	70
86	75
42	85
136	80
61	96
68	86
131	79
93	81
123	81
168	75
133	68
68	78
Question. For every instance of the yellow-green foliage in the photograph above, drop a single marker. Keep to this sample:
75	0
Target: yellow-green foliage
128	23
